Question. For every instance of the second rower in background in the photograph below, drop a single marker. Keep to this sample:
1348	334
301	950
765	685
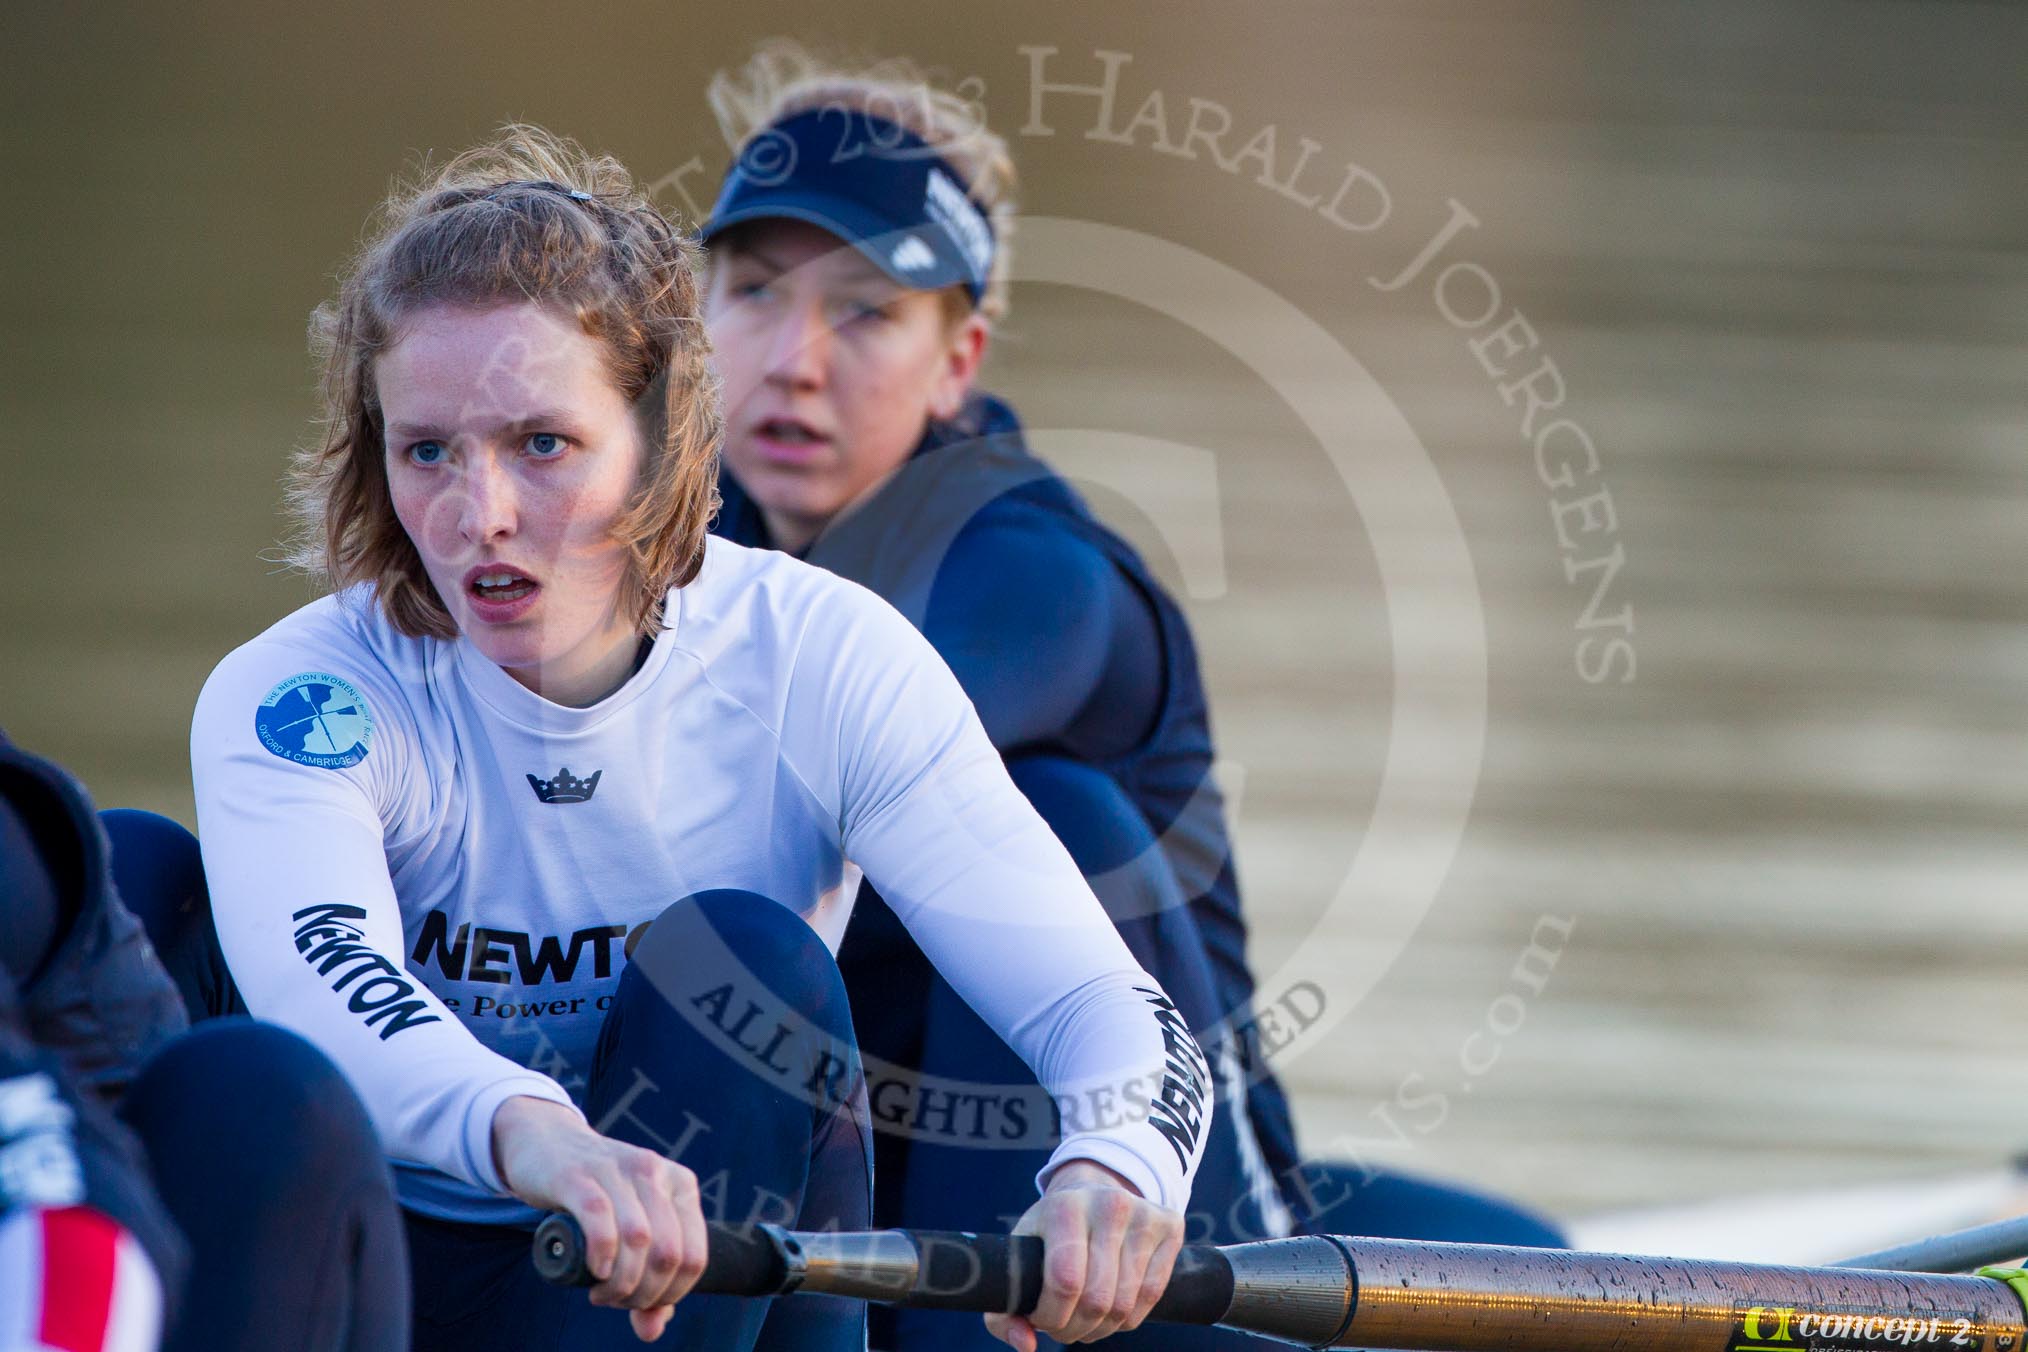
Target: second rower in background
858	264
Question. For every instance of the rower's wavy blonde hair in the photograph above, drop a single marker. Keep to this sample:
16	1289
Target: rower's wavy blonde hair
783	78
499	224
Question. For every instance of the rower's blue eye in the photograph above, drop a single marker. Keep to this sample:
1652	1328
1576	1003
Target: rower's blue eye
546	445
427	453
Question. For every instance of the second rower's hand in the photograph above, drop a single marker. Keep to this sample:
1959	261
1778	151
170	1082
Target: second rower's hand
1106	1257
642	1219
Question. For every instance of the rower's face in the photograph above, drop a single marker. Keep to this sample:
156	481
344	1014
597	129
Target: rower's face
830	370
510	455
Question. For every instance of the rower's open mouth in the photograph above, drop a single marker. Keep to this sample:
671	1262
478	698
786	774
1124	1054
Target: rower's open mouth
500	584
790	431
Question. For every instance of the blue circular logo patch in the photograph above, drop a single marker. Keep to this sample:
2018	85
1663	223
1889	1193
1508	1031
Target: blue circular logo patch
316	719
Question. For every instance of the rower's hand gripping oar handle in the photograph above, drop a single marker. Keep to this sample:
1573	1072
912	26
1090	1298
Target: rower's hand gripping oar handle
923	1269
739	1262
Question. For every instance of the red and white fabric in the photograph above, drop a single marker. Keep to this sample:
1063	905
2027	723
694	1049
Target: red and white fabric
72	1280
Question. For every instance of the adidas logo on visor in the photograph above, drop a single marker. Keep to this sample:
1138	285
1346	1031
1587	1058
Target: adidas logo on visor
912	255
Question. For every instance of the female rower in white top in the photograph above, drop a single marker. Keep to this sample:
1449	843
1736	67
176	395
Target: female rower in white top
446	810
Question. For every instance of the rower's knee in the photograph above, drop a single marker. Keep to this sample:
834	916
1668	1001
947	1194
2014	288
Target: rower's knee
726	945
158	871
255	1101
1105	832
263	1154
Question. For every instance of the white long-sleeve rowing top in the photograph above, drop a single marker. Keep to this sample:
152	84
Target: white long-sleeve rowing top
435	874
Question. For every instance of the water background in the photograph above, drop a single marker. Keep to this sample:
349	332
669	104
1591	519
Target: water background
1779	253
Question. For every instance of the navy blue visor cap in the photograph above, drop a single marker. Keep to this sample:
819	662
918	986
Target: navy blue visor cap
874	184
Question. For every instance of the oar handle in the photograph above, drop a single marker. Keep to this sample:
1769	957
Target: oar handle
737	1263
923	1269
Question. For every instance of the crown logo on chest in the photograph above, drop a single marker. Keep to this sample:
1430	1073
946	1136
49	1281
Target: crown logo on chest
566	787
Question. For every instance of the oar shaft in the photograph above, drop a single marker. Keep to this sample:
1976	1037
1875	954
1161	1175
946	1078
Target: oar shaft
1959	1251
1331	1291
1479	1298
